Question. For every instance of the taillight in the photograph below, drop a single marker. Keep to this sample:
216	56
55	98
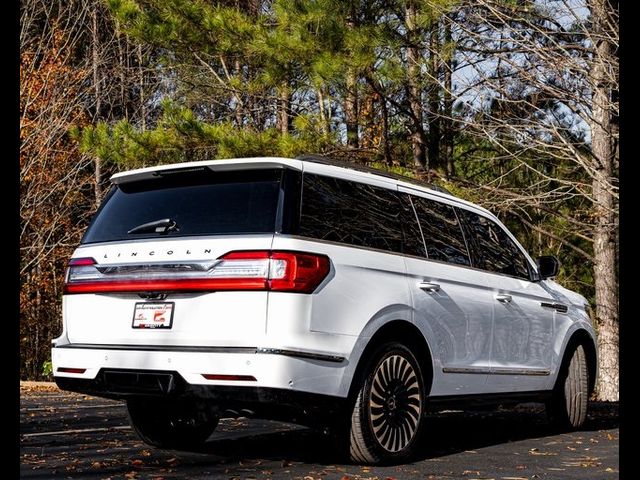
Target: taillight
71	370
81	269
297	272
261	270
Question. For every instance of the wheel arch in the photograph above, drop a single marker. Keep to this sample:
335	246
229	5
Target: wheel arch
584	338
404	332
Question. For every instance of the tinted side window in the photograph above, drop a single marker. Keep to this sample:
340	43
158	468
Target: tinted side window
350	212
442	232
413	243
493	250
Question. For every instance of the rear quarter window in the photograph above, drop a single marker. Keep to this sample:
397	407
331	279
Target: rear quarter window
351	213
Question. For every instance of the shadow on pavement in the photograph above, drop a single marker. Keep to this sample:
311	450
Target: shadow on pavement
446	433
242	448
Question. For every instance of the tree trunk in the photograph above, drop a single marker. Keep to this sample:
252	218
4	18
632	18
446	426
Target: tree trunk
351	93
447	105
604	247
239	110
351	110
418	138
95	59
284	106
324	121
141	86
433	114
123	74
386	146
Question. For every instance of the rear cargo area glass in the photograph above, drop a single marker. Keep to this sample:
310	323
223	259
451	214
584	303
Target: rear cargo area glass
200	203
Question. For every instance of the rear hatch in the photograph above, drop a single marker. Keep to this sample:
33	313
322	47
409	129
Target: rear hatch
150	269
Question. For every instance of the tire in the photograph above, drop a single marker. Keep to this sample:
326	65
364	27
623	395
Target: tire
172	424
386	421
567	408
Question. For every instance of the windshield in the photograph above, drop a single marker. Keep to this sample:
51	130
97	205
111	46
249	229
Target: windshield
193	203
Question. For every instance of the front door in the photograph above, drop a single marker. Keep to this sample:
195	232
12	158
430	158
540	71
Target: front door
522	335
452	302
523	322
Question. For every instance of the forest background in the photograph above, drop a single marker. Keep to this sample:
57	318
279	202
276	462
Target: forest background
512	104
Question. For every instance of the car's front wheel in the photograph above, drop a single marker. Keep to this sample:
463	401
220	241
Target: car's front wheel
386	420
169	423
567	407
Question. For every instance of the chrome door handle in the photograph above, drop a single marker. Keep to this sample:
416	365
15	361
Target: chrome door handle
503	298
558	307
429	287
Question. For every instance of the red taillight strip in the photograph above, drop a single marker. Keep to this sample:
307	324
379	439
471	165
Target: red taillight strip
182	285
81	262
235	378
285	271
70	370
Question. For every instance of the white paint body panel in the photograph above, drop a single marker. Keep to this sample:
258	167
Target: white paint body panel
463	324
522	334
219	318
458	321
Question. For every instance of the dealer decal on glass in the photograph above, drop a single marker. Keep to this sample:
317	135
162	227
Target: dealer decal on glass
153	315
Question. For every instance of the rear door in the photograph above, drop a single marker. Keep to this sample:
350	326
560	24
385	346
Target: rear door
169	233
450	299
357	226
523	328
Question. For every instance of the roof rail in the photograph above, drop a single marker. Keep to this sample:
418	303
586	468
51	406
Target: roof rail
314	158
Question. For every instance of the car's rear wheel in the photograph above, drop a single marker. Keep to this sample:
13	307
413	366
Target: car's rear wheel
169	423
567	408
386	420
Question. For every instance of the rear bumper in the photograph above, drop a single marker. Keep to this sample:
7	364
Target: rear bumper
231	401
286	370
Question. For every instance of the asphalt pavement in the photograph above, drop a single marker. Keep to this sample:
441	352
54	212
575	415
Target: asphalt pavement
66	435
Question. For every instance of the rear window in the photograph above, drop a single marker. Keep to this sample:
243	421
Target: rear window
198	203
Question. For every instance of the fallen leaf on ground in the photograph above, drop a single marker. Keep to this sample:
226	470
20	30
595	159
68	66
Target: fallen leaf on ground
535	451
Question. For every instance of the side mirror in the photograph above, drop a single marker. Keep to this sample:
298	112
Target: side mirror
548	266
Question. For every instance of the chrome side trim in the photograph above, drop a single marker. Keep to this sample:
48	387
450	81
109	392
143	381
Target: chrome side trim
519	371
468	370
300	354
497	371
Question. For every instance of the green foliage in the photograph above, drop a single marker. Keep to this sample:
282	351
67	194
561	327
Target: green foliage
47	369
180	136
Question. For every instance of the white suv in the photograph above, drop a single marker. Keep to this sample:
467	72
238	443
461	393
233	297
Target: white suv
314	292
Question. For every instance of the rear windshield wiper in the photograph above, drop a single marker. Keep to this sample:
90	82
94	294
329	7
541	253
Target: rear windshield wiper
165	225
